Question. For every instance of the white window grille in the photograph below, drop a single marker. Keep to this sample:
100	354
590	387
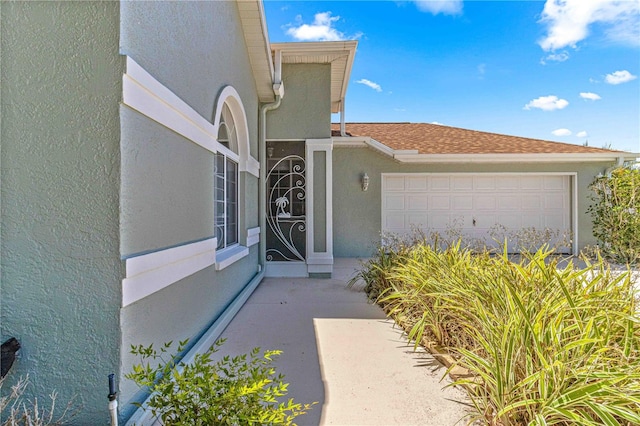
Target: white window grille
226	182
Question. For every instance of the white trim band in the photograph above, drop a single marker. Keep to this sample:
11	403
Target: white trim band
143	93
149	273
229	256
148	96
253	236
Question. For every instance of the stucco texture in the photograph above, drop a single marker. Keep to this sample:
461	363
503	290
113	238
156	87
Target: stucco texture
206	52
61	269
184	310
167	187
357	215
168	181
305	111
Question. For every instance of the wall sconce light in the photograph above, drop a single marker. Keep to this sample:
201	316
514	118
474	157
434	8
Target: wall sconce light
365	182
269	151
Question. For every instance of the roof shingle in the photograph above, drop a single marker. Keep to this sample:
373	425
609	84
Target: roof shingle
439	139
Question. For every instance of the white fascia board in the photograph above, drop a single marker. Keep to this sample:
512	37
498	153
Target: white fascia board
379	146
297	48
265	37
350	141
508	158
362	142
412	156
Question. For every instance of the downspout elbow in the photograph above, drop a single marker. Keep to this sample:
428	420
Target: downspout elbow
619	163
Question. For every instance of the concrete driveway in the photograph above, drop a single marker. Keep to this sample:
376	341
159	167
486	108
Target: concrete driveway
341	351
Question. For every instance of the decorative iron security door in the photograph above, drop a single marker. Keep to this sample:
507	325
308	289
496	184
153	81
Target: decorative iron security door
286	199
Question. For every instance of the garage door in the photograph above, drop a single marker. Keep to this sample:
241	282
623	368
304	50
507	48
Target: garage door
474	203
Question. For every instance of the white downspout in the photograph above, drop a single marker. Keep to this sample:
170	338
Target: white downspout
278	89
343	129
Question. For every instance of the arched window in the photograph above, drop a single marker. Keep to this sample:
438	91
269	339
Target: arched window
232	157
226	181
227	134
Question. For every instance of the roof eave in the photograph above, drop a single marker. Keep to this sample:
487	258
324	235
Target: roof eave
516	158
254	28
313	52
406	156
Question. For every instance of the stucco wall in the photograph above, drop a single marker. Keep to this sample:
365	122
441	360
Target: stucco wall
181	311
305	112
358	234
194	49
167	187
60	174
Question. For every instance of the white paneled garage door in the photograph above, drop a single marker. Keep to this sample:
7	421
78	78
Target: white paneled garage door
475	203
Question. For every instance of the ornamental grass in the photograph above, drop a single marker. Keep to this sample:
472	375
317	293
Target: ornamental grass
544	344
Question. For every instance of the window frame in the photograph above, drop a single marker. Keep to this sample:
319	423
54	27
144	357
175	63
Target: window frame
222	194
232	144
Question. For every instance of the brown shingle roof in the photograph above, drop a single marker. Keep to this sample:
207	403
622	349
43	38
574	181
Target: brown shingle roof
438	139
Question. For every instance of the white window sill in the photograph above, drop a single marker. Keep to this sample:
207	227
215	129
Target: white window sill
229	256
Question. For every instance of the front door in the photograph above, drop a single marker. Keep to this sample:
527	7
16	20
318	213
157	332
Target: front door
286	206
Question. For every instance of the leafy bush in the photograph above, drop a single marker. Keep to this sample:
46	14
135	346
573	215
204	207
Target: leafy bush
544	345
242	390
15	411
616	214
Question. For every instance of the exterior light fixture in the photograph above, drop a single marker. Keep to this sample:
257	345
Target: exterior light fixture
365	182
269	151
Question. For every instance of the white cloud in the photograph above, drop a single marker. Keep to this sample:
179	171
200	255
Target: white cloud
568	21
374	86
582	134
562	132
555	57
320	30
590	96
437	123
619	77
446	7
547	103
482	70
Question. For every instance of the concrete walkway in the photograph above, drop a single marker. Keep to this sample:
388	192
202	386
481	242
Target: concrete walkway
342	352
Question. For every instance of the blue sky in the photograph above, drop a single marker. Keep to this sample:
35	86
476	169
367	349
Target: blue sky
560	70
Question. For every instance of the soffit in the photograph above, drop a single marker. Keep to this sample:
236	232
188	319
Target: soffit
339	54
256	38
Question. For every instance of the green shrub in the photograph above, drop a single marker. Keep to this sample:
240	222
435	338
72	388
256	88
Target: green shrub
616	214
243	390
545	345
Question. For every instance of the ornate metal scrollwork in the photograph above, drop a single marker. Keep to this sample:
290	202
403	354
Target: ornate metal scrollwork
285	210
